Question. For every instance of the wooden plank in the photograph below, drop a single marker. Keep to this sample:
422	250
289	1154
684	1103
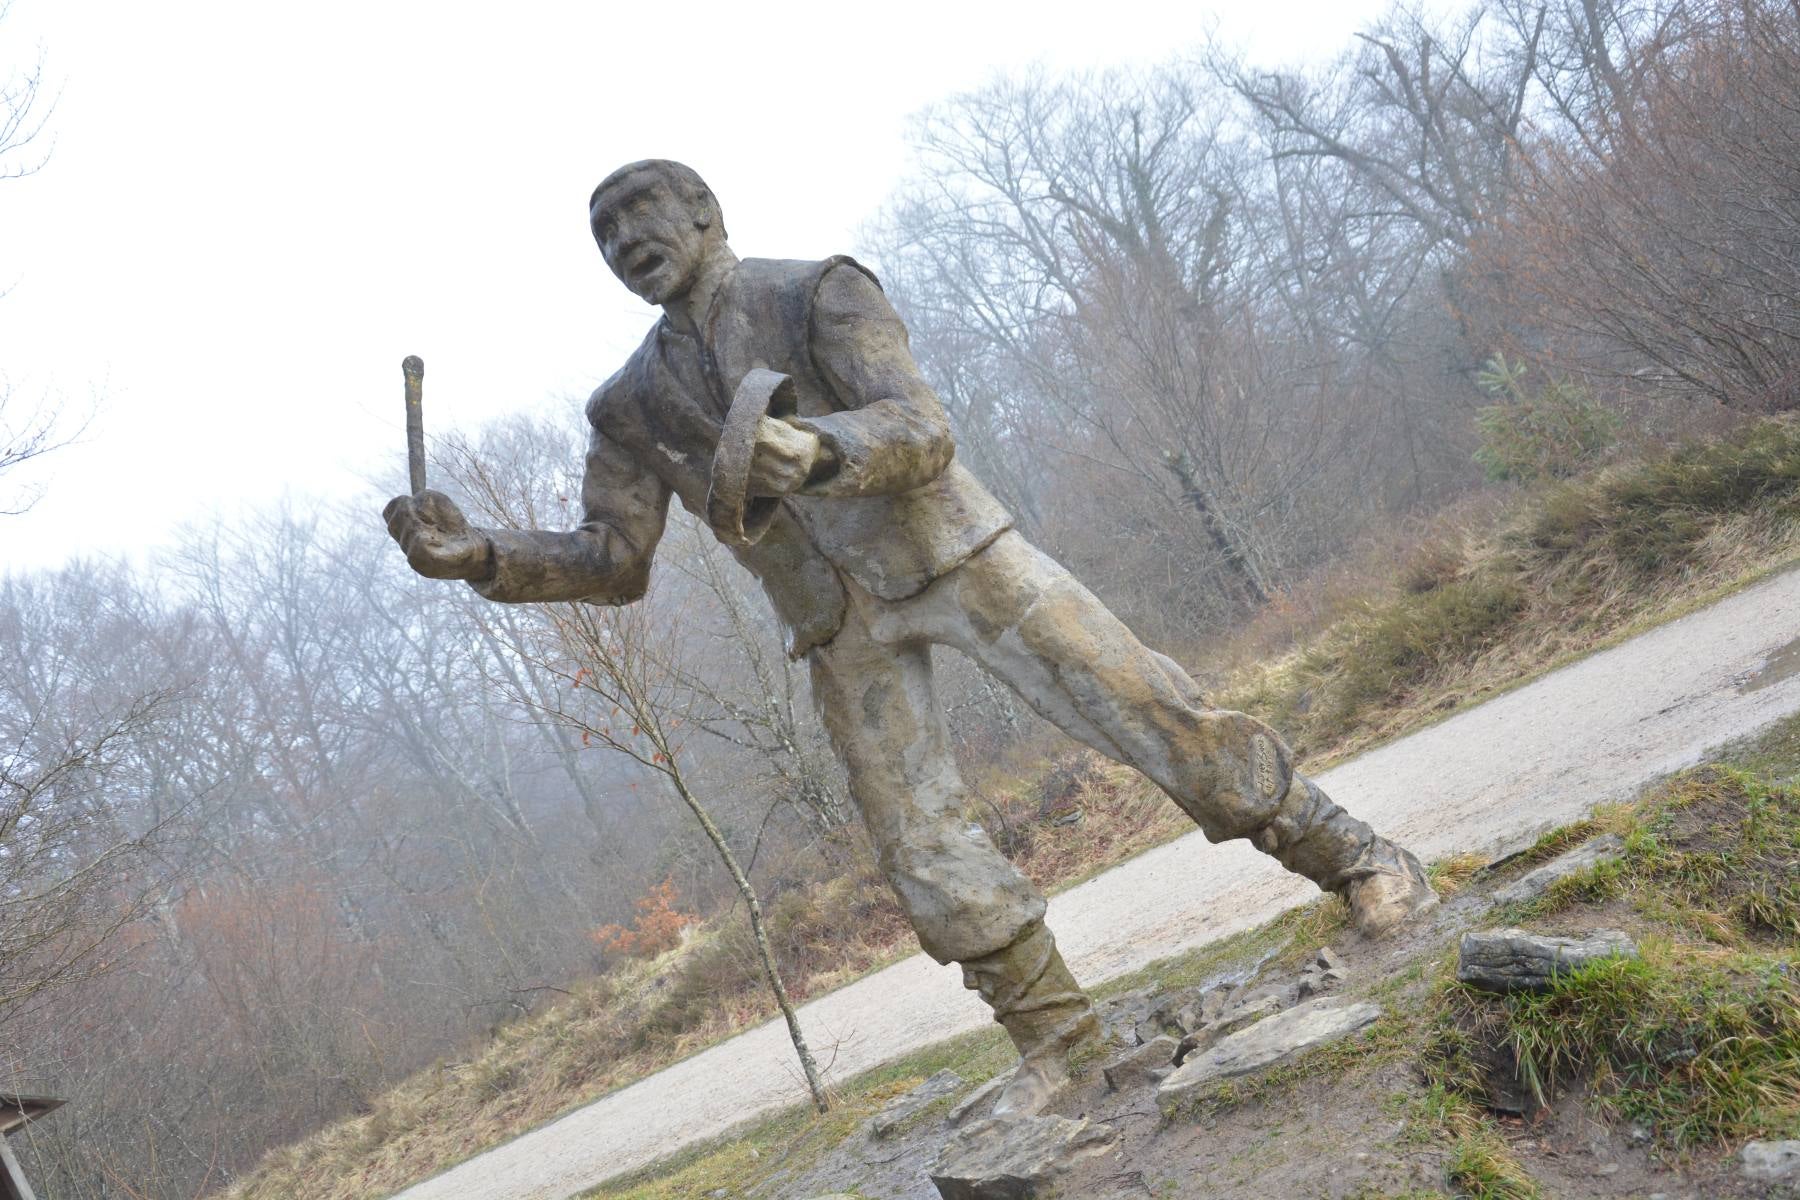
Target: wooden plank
12	1176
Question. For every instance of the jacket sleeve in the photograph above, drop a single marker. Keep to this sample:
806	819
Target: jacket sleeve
892	435
606	559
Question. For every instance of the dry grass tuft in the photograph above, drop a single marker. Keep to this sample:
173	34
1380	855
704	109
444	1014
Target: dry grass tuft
1469	610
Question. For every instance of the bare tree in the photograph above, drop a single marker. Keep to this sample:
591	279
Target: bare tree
622	696
25	109
622	688
1670	262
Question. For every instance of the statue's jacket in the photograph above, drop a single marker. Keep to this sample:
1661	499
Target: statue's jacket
893	511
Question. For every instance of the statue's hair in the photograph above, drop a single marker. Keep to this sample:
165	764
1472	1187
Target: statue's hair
681	178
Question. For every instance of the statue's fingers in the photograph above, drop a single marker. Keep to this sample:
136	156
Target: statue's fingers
399	517
440	511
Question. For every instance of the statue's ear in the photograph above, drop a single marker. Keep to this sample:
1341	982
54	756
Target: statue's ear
704	207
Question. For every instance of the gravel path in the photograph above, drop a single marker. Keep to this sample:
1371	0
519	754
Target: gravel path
1489	778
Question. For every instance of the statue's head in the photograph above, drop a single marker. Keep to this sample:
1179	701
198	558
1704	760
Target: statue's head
655	221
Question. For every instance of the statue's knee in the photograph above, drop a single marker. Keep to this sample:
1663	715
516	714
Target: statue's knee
962	897
1245	772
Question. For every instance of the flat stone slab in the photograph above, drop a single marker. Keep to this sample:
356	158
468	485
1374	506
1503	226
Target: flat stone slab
890	1118
1535	883
1236	1018
987	1093
1016	1158
1771	1162
1512	960
1270	1041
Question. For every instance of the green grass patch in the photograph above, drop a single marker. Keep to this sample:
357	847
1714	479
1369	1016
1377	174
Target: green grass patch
1700	1048
1698	1038
1481	1167
1715	853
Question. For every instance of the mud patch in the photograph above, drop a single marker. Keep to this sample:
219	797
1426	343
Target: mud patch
1780	666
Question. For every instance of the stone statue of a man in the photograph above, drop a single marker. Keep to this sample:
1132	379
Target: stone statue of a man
876	546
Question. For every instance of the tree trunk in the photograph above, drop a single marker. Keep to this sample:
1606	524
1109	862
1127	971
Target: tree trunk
807	1065
1232	554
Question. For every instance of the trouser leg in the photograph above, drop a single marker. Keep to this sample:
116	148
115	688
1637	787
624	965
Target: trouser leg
878	705
1031	623
967	903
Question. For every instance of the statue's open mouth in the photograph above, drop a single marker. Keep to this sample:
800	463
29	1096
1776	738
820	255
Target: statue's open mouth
646	266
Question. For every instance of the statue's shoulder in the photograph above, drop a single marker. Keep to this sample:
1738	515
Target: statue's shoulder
616	402
794	277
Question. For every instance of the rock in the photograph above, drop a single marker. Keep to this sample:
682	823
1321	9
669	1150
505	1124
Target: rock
1147	1063
1512	960
1316	982
1328	959
1771	1162
986	1093
1242	1017
899	1109
1212	1004
1121	1014
1166	1017
1534	884
1271	1040
1016	1158
1285	995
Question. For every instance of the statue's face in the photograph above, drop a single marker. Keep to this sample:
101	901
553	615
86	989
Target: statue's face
648	234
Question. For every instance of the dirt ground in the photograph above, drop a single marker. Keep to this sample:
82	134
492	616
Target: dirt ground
1488	778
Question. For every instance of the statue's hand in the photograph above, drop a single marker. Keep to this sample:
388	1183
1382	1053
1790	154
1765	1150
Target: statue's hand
783	458
437	538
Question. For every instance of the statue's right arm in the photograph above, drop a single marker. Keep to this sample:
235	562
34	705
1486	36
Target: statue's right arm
604	560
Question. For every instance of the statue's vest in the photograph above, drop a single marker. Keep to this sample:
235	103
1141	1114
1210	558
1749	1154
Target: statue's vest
667	405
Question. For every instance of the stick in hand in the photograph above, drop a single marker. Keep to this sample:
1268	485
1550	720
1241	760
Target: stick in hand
414	369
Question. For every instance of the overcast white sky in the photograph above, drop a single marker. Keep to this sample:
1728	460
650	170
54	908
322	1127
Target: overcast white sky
253	211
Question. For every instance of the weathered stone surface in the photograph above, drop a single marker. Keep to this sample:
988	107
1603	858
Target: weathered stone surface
1316	982
1512	960
1147	1063
899	1109
1120	1015
1771	1162
1536	883
1327	959
1016	1158
1171	1015
1264	1044
1284	994
1238	1017
969	1105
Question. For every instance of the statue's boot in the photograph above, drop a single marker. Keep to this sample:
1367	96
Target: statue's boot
1383	883
1044	1011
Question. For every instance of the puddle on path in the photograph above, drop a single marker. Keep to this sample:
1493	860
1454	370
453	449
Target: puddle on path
1783	664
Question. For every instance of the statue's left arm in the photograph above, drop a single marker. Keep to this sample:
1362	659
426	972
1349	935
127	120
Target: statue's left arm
892	436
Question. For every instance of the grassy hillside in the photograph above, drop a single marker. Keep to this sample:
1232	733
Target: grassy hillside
1479	600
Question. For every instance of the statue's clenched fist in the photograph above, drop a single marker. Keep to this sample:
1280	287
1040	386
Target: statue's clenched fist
437	538
784	457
